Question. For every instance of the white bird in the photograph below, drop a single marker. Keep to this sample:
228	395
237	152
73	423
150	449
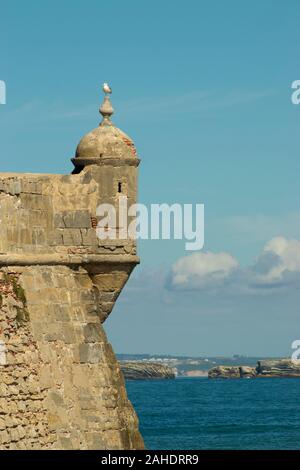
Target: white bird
106	88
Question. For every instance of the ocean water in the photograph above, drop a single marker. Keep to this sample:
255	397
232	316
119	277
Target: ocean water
198	413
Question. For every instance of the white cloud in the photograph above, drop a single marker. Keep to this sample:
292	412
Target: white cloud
201	270
279	262
277	266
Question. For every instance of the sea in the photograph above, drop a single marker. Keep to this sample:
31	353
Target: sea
201	413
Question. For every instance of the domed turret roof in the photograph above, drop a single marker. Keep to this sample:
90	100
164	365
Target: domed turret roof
105	141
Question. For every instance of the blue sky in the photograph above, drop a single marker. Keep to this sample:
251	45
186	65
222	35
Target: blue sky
204	90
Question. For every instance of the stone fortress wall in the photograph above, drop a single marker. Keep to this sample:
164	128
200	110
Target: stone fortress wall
61	385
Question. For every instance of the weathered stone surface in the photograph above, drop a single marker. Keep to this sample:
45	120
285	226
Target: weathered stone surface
58	218
142	370
54	367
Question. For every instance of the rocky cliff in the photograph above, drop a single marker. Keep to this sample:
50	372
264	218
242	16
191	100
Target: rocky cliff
246	371
224	372
278	368
231	372
146	370
265	368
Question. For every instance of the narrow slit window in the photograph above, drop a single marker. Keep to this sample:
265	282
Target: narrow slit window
119	187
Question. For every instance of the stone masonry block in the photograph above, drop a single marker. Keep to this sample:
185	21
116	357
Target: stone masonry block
92	332
71	237
77	219
90	352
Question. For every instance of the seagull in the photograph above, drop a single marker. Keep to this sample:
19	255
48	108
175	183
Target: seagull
106	88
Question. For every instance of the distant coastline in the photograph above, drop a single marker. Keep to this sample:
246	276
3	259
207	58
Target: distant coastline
269	368
186	366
